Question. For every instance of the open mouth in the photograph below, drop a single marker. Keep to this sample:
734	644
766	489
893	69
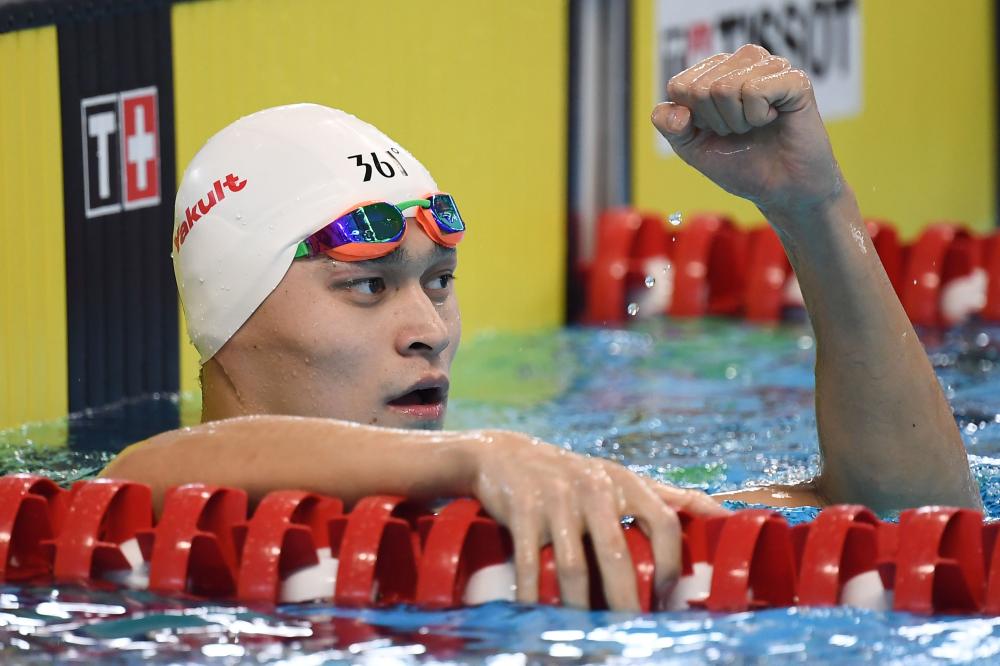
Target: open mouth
428	396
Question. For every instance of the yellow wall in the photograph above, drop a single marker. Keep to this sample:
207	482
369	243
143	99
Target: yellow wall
474	88
923	146
32	271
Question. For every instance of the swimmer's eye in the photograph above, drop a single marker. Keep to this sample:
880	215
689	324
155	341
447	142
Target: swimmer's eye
441	282
367	286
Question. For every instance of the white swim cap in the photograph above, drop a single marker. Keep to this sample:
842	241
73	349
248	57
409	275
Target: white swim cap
258	188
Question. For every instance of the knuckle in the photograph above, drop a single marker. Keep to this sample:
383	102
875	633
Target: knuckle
559	487
667	520
694	498
754	49
526	555
801	78
688	497
615	541
573	570
524	506
659	513
752	88
597	476
723	88
781	61
700	92
675	89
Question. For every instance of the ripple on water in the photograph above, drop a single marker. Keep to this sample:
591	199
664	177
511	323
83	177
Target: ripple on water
707	404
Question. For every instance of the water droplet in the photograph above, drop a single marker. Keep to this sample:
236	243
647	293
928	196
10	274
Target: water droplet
633	309
675	219
201	280
982	340
650	281
731	372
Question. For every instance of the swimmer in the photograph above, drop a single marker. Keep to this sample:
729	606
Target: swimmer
315	260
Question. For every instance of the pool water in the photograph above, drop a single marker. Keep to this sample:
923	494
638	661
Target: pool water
711	404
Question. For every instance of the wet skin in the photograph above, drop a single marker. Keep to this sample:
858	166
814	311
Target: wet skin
347	340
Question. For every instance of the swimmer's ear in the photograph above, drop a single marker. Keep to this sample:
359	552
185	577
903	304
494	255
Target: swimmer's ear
674	122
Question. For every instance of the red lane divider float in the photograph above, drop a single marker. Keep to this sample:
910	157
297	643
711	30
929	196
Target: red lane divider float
100	529
286	547
991	266
709	266
192	548
300	546
630	245
31	514
768	271
838	559
466	560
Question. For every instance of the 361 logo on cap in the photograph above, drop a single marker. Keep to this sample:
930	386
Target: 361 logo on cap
121	151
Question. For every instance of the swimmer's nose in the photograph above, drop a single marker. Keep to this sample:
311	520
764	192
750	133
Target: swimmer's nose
422	330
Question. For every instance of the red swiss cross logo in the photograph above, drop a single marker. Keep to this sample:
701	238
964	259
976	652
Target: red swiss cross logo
140	148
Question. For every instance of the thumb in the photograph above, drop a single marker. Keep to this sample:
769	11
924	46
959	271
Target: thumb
674	122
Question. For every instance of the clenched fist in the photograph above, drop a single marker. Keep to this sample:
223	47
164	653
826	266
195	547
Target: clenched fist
749	122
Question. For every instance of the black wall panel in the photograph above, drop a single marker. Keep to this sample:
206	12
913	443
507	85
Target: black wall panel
115	75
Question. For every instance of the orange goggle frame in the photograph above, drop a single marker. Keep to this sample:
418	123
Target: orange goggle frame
373	229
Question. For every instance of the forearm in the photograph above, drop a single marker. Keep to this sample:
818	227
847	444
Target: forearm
887	435
265	453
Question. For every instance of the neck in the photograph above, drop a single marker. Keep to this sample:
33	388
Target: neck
220	397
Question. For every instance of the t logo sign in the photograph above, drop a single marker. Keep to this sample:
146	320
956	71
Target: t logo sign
121	152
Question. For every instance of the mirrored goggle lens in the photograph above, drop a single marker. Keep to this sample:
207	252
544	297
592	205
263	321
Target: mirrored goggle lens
376	223
446	213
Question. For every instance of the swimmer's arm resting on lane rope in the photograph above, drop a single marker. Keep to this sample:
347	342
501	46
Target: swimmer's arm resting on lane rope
263	453
348	460
542	493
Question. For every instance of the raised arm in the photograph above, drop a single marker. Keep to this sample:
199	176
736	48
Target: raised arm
887	436
543	493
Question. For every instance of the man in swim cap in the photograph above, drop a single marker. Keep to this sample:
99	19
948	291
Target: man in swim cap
315	259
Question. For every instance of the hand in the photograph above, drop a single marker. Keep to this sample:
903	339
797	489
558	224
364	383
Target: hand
749	122
545	494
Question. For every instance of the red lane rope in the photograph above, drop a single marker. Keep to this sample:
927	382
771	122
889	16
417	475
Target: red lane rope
722	269
387	550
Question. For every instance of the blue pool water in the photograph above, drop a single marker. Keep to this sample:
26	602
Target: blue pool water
710	404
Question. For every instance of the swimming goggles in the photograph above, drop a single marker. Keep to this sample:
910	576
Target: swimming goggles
373	229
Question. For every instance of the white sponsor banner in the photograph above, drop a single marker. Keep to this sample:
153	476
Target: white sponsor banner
821	37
